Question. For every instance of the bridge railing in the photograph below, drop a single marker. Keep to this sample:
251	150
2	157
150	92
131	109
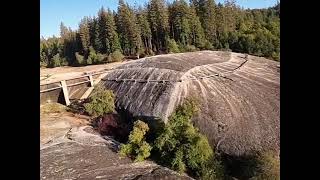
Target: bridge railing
64	86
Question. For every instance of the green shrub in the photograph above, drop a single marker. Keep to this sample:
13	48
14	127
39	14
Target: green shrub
79	59
100	102
55	61
52	108
109	59
187	48
268	167
208	45
89	60
63	62
173	46
76	107
94	58
151	53
116	56
43	64
257	166
212	169
141	52
181	146
100	58
137	146
276	56
190	48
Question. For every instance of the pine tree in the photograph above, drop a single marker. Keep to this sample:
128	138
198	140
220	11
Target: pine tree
209	21
112	34
94	33
227	20
179	22
108	36
145	30
102	23
128	29
197	32
63	30
84	35
71	43
206	11
230	15
158	19
185	25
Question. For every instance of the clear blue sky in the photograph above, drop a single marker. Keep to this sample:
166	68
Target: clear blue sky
70	12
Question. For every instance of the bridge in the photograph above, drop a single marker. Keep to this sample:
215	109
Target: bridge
69	89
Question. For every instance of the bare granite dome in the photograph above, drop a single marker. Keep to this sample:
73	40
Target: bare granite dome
84	155
239	95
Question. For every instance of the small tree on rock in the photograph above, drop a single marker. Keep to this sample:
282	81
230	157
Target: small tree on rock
137	146
173	46
182	147
100	102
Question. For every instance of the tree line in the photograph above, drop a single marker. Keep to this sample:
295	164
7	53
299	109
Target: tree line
159	27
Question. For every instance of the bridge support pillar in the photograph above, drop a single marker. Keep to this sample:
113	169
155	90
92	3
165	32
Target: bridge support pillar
65	92
91	80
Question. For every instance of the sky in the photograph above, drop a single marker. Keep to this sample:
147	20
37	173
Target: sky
70	12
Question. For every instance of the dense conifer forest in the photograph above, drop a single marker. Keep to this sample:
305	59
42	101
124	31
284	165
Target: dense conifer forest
159	27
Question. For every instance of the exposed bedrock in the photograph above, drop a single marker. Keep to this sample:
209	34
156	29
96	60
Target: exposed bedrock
83	154
239	95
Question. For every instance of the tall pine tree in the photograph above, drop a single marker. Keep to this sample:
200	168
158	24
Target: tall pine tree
197	32
84	35
145	30
94	34
102	24
206	10
108	36
112	34
128	29
158	19
179	22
